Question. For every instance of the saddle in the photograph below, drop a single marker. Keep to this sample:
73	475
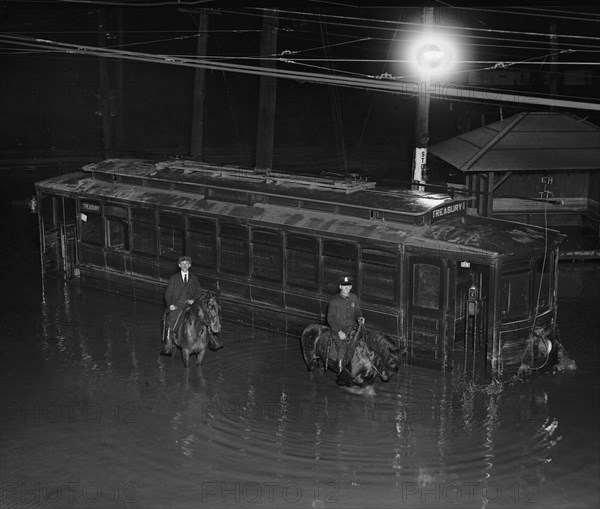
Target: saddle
178	322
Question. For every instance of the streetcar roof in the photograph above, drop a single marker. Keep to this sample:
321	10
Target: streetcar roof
339	190
400	217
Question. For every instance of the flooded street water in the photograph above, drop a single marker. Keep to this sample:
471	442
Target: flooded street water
93	416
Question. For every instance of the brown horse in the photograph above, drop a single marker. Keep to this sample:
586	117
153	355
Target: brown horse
198	324
319	348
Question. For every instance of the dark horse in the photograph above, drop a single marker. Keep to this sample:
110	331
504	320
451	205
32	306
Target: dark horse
387	355
374	354
319	348
195	329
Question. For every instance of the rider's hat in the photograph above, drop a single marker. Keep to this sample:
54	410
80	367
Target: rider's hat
346	280
185	259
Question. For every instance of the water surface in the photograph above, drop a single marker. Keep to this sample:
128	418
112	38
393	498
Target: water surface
93	416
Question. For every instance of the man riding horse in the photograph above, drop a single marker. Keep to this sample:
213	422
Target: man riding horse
343	316
182	289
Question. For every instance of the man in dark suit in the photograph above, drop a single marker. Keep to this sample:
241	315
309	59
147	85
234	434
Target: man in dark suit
183	288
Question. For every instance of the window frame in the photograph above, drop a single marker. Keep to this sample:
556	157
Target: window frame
270	241
309	259
234	248
373	259
202	241
421	296
147	219
520	271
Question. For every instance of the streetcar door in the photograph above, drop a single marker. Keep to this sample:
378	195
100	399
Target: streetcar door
59	227
426	312
69	250
470	300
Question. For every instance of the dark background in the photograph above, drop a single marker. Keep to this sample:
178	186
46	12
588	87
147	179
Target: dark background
50	100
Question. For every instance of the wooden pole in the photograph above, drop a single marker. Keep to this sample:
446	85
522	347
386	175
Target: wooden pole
197	135
265	132
119	102
422	123
104	88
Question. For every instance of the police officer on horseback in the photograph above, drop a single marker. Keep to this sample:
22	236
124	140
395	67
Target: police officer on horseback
182	289
343	316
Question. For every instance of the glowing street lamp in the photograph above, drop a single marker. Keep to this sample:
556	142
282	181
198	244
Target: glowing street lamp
432	56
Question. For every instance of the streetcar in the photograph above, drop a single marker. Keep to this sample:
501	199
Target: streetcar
458	292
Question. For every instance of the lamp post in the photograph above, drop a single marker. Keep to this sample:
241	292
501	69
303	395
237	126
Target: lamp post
431	56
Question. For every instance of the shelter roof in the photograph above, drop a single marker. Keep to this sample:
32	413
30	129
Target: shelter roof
530	141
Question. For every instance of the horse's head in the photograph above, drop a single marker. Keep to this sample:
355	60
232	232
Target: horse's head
209	311
214	313
387	356
362	367
387	365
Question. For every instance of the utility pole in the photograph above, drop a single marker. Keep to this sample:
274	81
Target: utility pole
104	88
268	92
422	123
197	141
119	100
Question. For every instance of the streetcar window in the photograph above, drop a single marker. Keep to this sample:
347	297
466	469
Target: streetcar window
426	286
379	276
203	242
267	255
514	290
171	228
118	233
302	261
172	244
542	290
92	230
143	231
339	260
117	226
176	221
234	249
144	238
66	211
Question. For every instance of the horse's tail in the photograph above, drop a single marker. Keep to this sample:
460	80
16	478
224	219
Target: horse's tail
309	338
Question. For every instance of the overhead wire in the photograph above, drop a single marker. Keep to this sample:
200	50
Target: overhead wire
396	31
396	86
398	27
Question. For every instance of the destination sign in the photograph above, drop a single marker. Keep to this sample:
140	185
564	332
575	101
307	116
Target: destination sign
90	207
452	209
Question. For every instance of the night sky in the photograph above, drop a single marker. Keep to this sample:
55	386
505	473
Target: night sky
50	92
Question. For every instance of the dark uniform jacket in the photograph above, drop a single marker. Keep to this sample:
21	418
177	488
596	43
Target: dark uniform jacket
178	292
342	313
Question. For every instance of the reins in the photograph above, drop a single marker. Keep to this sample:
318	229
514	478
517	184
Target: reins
206	323
355	341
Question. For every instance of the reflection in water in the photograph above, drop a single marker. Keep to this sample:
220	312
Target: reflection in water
252	427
